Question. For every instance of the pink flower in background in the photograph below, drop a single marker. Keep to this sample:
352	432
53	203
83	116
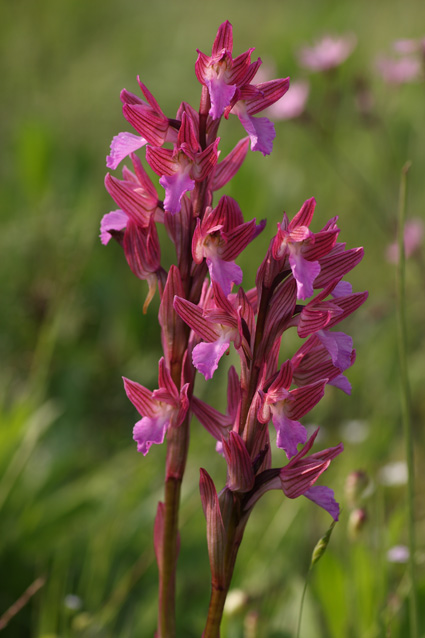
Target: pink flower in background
398	554
292	105
407	46
327	53
408	66
399	70
413	238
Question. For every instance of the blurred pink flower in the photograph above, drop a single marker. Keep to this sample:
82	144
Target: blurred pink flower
413	236
398	554
292	104
407	46
327	53
399	71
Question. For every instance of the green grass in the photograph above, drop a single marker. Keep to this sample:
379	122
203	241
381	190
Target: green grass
77	503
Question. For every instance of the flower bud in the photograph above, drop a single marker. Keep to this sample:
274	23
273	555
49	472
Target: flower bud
355	487
356	522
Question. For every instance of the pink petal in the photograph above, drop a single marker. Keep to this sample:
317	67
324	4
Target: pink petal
220	95
224	273
260	130
223	38
342	383
305	272
214	422
324	497
266	94
140	397
342	289
149	430
289	433
194	317
206	356
116	220
175	187
335	265
339	345
122	145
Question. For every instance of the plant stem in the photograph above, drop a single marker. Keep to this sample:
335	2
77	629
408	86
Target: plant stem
300	615
215	612
177	447
405	401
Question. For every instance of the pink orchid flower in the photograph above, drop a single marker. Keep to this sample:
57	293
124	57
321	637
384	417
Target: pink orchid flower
303	248
250	100
149	121
182	167
320	314
218	325
312	362
135	194
221	73
284	407
219	238
160	409
298	478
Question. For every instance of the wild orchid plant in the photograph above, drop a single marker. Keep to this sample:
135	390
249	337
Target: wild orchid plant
299	285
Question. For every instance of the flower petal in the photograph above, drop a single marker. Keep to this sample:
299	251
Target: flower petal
220	95
260	130
175	187
122	145
115	220
324	497
289	433
224	273
150	430
206	356
339	345
305	272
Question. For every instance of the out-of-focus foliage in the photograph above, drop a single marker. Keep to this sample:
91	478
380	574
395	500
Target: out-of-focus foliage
76	501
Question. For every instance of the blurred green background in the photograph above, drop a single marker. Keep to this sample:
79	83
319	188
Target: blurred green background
76	501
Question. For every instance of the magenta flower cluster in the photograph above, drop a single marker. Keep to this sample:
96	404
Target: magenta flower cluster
300	286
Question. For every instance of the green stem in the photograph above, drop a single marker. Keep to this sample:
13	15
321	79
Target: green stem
235	526
177	448
215	613
405	401
302	604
